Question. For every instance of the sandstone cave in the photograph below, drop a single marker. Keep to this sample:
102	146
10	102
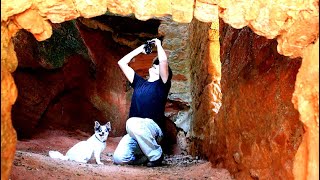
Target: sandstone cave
235	101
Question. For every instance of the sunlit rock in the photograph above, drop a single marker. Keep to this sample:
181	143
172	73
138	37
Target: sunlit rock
249	81
306	101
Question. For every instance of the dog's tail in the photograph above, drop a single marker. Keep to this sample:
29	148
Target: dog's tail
57	155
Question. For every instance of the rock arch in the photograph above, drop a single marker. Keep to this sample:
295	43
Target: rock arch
293	24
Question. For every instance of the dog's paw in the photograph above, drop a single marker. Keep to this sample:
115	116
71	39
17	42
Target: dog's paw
100	163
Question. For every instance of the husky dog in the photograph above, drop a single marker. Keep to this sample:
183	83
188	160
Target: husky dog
83	150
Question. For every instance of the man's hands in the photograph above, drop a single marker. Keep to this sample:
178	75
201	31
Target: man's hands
147	48
141	49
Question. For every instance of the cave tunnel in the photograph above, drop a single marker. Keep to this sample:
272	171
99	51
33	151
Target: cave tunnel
230	101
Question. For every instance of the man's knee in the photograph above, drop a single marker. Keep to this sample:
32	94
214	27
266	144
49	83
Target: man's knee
133	125
132	122
119	159
121	156
123	152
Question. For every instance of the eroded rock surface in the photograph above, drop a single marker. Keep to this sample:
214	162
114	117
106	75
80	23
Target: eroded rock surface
293	24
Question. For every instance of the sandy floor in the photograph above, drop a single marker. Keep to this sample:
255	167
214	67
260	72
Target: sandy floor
32	162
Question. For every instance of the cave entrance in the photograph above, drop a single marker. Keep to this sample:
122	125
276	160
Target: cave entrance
252	75
72	79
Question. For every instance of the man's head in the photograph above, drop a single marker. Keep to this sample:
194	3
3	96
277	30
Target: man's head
155	61
154	69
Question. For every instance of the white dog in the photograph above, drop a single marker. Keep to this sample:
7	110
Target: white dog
82	151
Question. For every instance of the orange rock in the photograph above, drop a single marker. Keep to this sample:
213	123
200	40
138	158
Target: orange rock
8	134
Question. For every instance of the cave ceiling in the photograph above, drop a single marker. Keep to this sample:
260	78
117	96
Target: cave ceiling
293	23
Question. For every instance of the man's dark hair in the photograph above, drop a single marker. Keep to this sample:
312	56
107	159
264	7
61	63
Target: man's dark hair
156	61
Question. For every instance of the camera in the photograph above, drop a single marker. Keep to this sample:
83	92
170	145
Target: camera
148	46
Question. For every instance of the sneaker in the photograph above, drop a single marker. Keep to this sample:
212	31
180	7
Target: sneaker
155	163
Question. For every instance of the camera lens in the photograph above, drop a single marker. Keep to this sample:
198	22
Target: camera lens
147	48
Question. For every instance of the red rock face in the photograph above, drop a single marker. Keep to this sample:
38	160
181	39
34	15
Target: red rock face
257	130
62	98
53	98
294	24
109	91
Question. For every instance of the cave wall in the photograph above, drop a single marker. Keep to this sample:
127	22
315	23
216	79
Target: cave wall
295	26
205	68
109	92
54	79
257	131
306	101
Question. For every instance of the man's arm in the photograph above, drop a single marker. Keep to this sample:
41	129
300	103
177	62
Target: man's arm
123	63
163	61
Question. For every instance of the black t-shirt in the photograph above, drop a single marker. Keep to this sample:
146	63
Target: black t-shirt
149	98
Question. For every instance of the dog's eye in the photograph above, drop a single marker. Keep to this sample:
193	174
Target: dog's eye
100	130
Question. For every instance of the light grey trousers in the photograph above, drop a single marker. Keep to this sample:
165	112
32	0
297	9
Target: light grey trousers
140	144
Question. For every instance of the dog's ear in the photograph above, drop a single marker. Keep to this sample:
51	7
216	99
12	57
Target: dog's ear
108	124
96	124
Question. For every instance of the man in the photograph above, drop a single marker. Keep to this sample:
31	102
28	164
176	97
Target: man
141	143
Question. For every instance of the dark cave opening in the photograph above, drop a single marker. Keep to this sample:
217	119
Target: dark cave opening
72	79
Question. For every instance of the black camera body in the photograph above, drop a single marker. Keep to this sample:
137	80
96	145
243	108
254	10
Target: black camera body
148	46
